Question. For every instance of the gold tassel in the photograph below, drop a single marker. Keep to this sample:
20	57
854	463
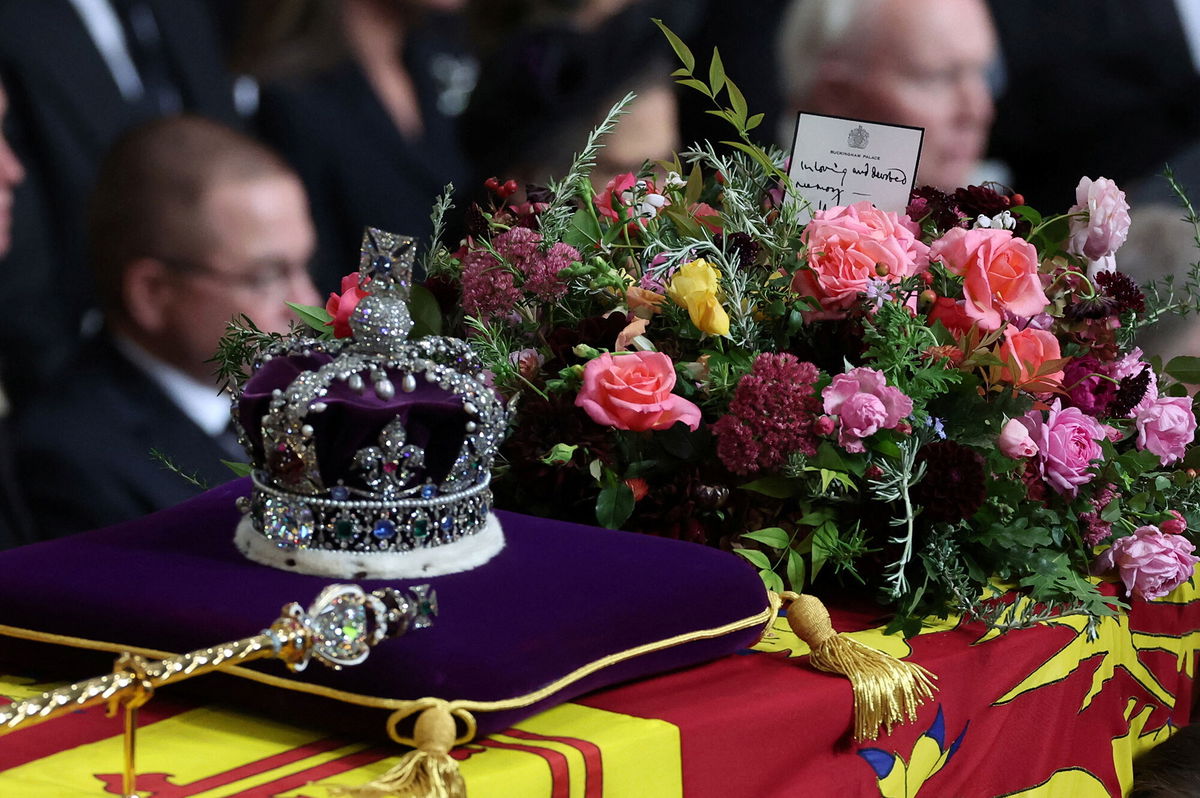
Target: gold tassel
426	772
887	691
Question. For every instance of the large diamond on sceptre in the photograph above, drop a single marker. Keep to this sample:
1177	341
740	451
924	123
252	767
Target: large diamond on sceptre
338	629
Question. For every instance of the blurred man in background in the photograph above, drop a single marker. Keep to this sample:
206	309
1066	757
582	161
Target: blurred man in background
192	225
923	63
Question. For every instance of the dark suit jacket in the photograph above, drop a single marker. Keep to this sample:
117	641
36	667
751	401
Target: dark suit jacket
66	111
84	447
1103	88
358	169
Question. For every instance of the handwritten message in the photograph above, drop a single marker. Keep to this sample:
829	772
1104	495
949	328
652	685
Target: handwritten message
837	161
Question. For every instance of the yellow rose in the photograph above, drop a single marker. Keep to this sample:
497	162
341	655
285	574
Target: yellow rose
695	287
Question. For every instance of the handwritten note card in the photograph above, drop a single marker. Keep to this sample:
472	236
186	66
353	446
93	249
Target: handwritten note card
838	161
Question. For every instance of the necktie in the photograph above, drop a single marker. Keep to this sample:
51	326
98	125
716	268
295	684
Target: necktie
144	40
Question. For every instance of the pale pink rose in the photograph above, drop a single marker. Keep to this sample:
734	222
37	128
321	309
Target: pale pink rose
1068	442
848	247
1166	428
999	271
528	362
1102	222
1015	442
1150	564
1030	349
863	403
633	391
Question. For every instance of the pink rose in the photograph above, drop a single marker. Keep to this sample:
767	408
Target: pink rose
1151	564
1166	427
1029	349
1101	222
864	404
1015	442
1175	525
999	273
1067	442
633	391
848	247
341	306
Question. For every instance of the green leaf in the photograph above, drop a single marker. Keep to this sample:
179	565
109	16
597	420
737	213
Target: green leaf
239	469
739	104
583	232
796	570
681	72
823	542
1161	483
559	454
312	315
681	50
677	441
773	536
1184	368
425	311
829	477
614	505
716	73
887	447
756	558
775	487
754	152
698	85
771	580
695	184
754	122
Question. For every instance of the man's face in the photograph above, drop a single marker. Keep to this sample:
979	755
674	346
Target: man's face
262	241
927	67
11	174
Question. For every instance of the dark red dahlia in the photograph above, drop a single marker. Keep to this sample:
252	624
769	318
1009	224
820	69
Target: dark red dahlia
1129	393
953	487
1121	290
928	204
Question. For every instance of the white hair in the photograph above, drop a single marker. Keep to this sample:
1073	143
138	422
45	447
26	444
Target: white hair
811	32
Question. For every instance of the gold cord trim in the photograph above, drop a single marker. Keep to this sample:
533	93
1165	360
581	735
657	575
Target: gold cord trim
765	616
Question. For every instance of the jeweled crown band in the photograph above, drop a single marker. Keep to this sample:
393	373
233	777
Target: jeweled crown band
293	521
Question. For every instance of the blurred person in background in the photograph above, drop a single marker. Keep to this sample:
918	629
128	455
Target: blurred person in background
14	520
1095	87
923	63
192	224
361	97
551	71
78	74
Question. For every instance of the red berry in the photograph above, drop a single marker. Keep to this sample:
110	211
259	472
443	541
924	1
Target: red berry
492	185
1018	199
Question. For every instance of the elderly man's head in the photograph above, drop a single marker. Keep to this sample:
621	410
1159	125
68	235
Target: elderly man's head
193	224
912	62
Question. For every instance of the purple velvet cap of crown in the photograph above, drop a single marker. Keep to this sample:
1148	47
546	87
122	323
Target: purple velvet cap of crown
432	416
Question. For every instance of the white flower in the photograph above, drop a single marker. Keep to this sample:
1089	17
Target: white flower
674	181
648	207
1001	221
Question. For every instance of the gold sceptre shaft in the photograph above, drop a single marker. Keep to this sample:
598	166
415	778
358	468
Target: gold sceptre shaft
338	629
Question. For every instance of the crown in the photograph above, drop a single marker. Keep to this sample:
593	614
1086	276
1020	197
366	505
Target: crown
371	455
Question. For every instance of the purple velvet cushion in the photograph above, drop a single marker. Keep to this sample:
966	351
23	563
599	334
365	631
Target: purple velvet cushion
559	596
